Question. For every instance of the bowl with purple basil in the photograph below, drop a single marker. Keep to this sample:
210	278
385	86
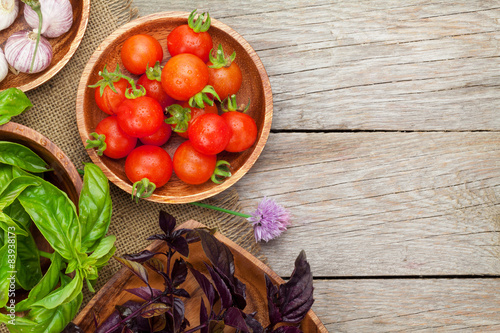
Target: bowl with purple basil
192	279
33	50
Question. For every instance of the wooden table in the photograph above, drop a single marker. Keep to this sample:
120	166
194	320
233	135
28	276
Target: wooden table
385	146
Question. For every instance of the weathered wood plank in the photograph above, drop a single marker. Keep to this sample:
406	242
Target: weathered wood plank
390	203
427	305
372	65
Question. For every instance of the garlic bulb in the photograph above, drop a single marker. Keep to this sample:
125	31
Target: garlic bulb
4	67
57	17
20	48
8	12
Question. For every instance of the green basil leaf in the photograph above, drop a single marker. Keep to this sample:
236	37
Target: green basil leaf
7	224
7	267
28	270
55	216
42	320
14	188
95	206
65	294
5	176
103	247
16	154
45	286
13	102
17	213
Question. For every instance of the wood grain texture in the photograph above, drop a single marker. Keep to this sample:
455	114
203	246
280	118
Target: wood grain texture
248	270
367	204
371	65
255	87
63	47
413	305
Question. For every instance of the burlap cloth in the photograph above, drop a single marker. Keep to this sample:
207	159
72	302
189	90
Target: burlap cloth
54	116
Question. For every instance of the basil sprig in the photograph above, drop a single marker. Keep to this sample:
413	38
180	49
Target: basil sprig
13	102
79	240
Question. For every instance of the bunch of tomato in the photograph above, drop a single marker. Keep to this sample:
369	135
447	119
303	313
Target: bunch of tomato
181	97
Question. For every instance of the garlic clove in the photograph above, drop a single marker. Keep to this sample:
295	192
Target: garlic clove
8	13
57	17
4	66
20	48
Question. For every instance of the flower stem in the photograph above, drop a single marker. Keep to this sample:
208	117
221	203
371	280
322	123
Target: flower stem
220	209
45	254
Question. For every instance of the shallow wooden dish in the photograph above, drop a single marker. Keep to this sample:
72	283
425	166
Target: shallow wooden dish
65	176
248	269
255	86
63	47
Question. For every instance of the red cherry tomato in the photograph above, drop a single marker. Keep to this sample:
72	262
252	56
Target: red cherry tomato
226	81
140	50
183	76
109	101
244	131
160	137
154	89
191	166
118	143
195	113
149	162
140	117
209	134
184	40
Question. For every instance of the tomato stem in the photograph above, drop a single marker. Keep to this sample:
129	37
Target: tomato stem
221	171
200	99
180	118
232	105
98	143
221	60
201	24
142	189
154	73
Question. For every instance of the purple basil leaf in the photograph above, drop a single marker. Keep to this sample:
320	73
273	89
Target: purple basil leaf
179	272
205	285
252	323
273	309
234	318
224	292
144	292
178	312
155	264
140	257
157	236
167	222
136	268
237	289
219	254
287	329
216	326
203	317
113	319
72	328
155	309
179	244
179	232
181	293
297	294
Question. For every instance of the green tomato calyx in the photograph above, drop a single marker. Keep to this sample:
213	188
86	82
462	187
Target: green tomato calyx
201	23
220	60
200	99
98	143
154	73
142	189
230	105
180	117
221	172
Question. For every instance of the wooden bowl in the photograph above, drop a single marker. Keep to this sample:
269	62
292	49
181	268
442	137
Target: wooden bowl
255	86
63	47
248	269
65	176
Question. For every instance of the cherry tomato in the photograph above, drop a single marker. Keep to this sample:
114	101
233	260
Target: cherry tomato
183	76
140	117
195	113
225	80
118	143
191	166
149	162
209	134
160	137
153	86
244	131
184	40
140	50
109	101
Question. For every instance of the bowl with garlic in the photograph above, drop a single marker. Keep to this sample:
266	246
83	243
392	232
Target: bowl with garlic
29	58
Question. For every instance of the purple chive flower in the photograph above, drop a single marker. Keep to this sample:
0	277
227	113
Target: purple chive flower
269	220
